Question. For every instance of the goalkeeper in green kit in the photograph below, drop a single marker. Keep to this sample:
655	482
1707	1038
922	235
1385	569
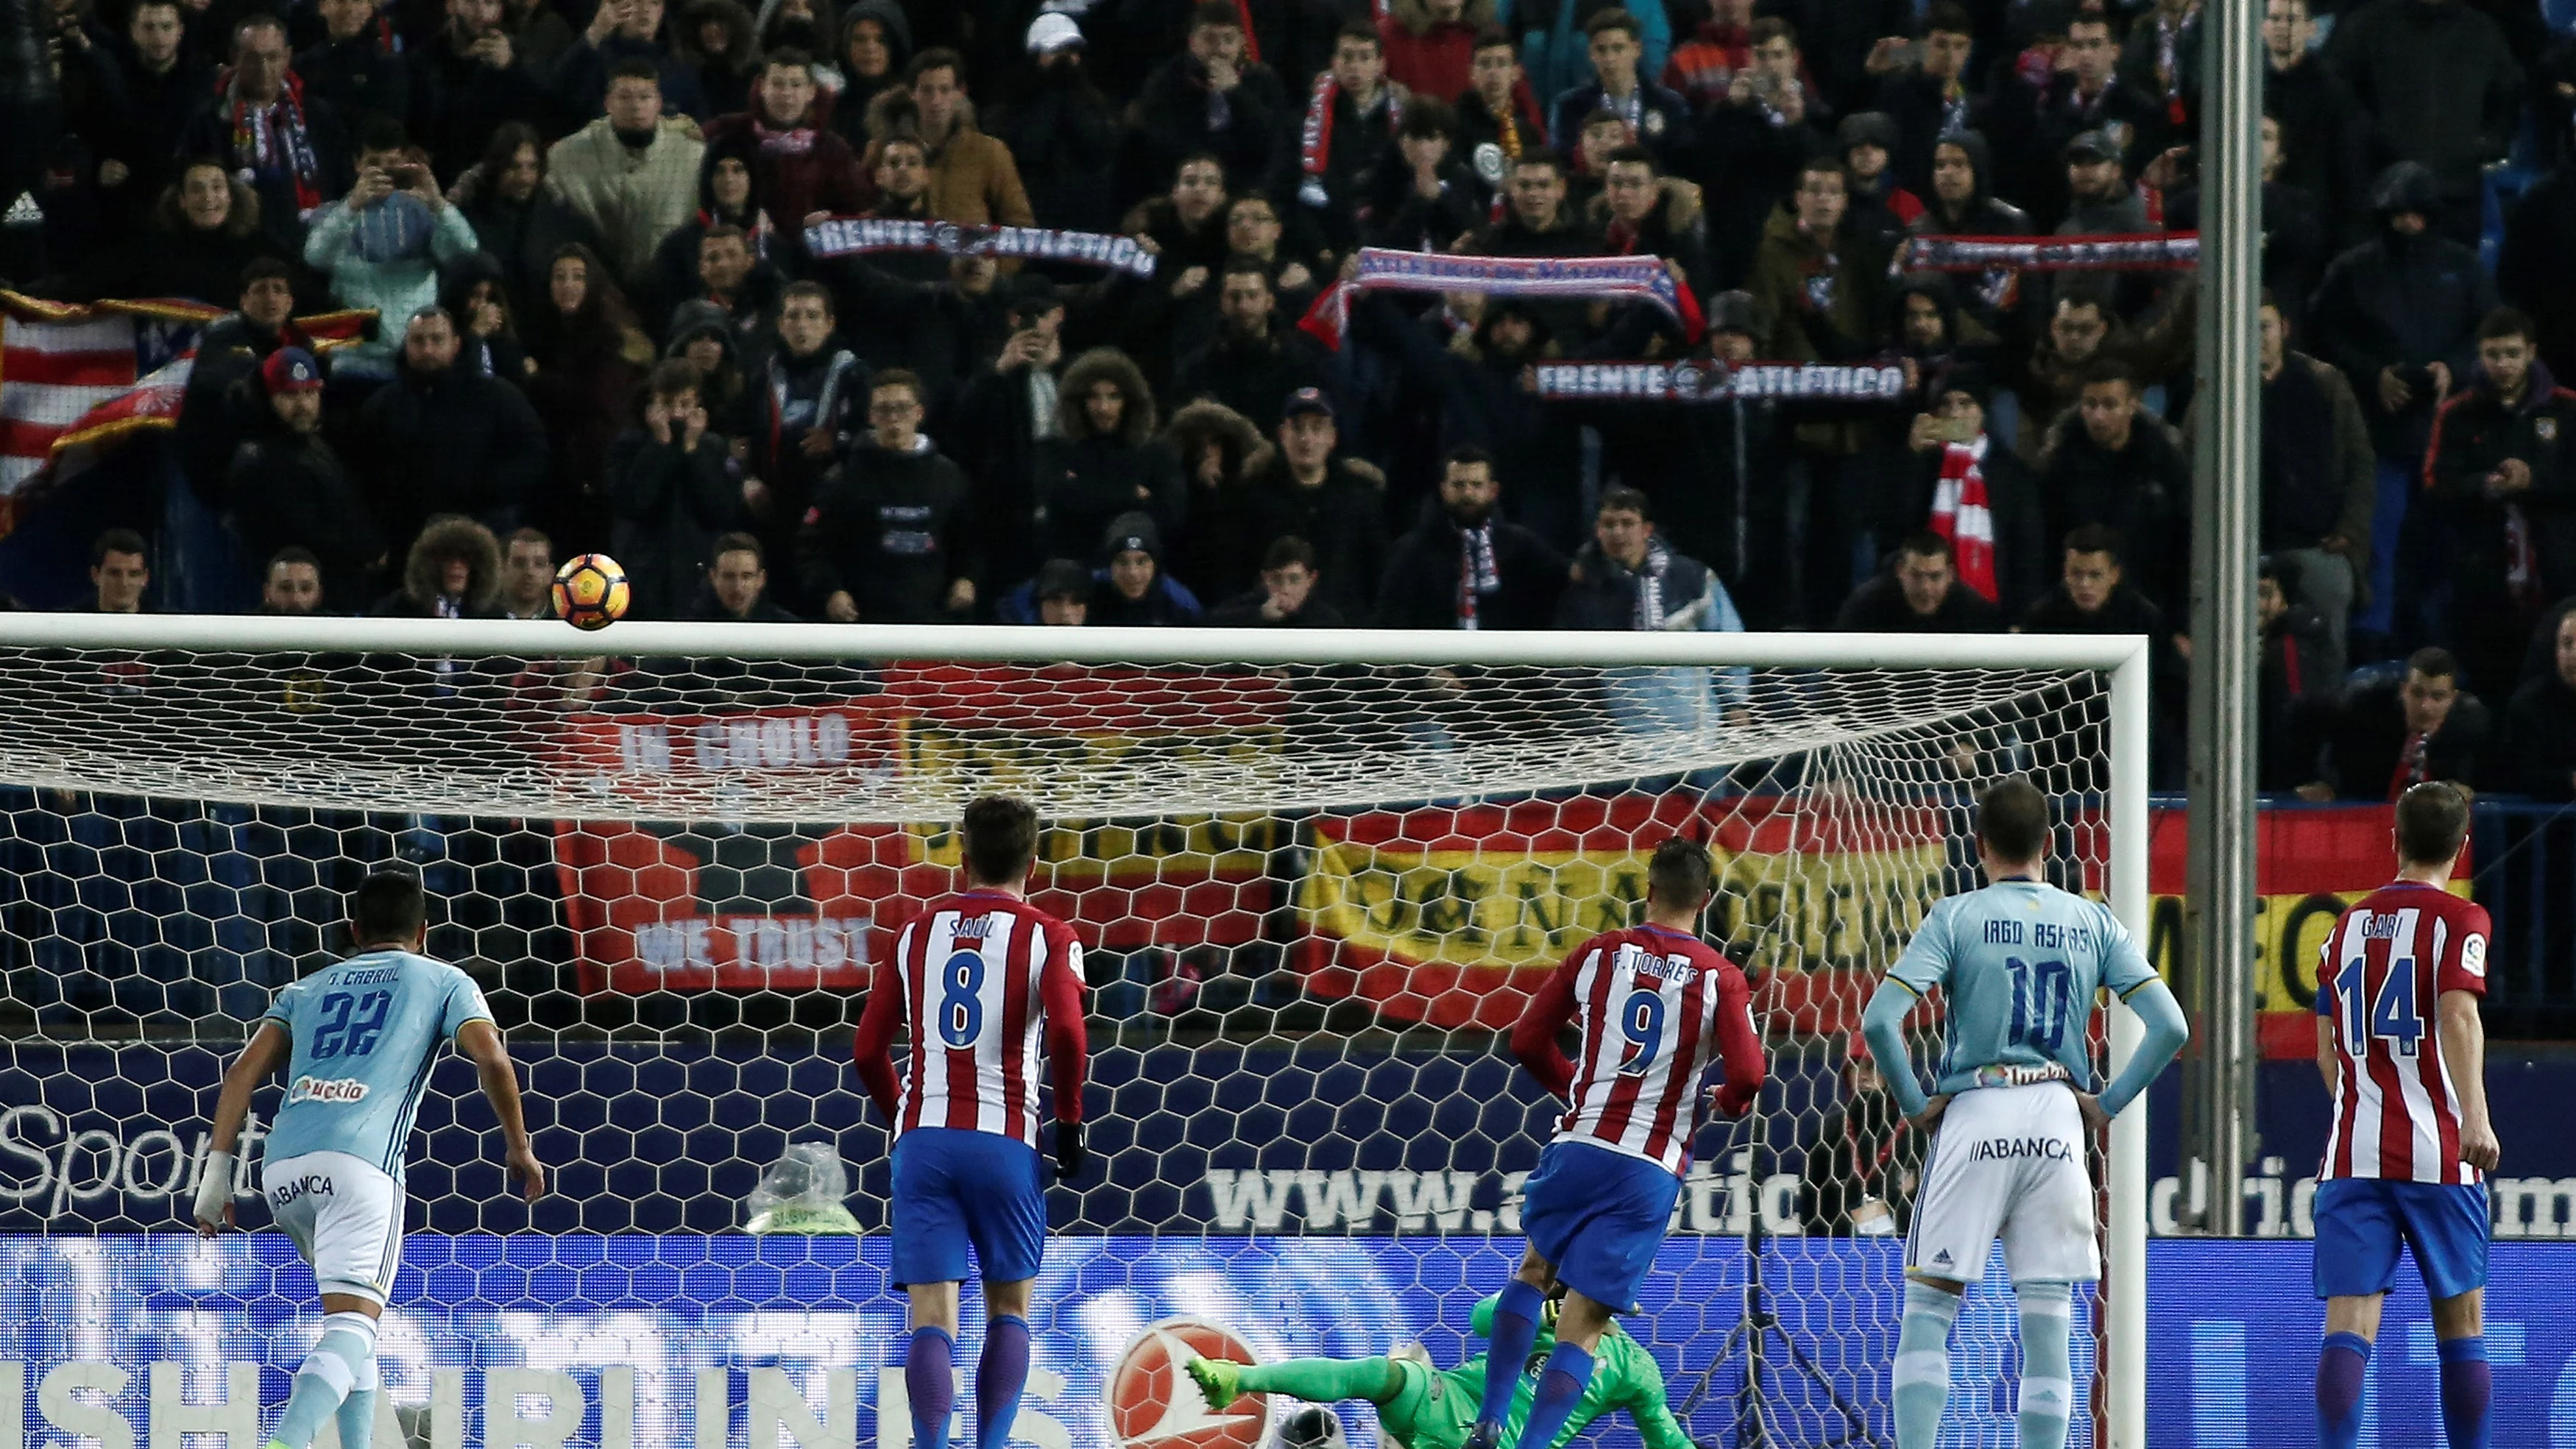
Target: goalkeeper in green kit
1421	1409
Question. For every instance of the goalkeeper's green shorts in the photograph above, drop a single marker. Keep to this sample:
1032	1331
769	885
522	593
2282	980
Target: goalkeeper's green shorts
1431	1411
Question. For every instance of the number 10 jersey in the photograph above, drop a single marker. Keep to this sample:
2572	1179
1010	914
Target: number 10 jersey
2019	964
365	1033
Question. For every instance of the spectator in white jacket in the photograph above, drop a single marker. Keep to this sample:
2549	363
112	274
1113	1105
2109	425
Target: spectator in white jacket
633	173
383	244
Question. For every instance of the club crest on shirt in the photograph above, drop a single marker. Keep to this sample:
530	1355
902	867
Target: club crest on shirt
2545	429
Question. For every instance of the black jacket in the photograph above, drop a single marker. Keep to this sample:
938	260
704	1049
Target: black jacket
2472	436
357	76
1344	517
891	529
2302	686
2026	555
2539	755
523	236
1083	483
2143	491
2438	79
1243	611
1248	130
2400	301
288	488
451	442
1252	377
1879	607
2370	736
224	402
2531	271
2325	145
1422	586
1605	596
1862	1152
667	506
457	102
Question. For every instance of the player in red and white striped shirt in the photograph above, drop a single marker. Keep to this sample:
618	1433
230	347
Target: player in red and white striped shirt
980	976
2399	1042
1657	1007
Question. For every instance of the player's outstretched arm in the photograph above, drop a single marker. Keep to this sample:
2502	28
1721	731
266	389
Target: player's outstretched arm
2154	1003
480	1041
266	1051
2464	1053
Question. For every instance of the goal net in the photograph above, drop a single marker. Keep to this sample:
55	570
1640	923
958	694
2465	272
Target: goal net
1317	875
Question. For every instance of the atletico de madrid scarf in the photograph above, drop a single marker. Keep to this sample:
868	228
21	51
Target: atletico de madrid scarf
1315	140
1960	515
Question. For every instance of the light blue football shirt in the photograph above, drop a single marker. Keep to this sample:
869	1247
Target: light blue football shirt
2019	964
366	1032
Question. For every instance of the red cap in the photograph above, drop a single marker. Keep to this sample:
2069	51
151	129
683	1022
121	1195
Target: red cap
290	369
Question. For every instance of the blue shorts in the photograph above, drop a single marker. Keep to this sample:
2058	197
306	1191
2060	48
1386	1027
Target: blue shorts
1599	1216
2362	1220
953	1187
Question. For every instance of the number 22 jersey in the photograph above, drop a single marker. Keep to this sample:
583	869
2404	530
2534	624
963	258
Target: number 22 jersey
1656	1007
365	1033
2380	979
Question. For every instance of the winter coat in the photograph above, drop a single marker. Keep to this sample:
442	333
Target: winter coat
2539	754
1879	607
632	199
2438	79
797	172
1249	130
2319	476
452	442
357	76
1253	377
1063	134
2026	553
1428	57
973	180
457	101
2531	270
1555	52
1679	594
1664	125
288	488
2143	491
523	237
668	505
1424	572
210	133
580	84
2370	736
2473	435
1344	517
891	530
2325	145
1245	611
2302	674
1819	300
385	259
418	595
2400	301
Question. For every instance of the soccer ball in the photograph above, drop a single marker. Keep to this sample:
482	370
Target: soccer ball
590	591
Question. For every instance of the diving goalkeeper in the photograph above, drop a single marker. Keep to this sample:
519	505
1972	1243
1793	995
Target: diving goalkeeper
1421	1409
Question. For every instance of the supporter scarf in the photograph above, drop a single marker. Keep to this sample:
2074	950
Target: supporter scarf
273	138
1251	37
1960	514
1648	613
2174	252
1694	382
795	141
1315	138
844	236
2414	765
1476	573
1632	279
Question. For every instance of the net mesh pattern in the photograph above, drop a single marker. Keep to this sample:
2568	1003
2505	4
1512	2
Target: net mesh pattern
1312	900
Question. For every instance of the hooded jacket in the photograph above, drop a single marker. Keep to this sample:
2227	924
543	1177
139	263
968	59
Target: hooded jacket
1426	573
289	488
668	504
445	538
1086	478
1165	603
798	170
454	441
2473	434
2401	301
2438	78
973	180
850	108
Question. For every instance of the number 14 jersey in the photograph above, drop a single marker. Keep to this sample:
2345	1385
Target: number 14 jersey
981	977
1656	1007
365	1033
2019	964
2380	979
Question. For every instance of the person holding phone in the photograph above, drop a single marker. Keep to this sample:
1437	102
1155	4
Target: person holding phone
383	243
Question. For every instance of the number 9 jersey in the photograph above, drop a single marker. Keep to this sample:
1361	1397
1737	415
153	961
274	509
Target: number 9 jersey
365	1034
2020	963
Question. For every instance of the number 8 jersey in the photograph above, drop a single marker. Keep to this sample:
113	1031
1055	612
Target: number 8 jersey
1656	1007
2020	963
981	976
2380	979
366	1032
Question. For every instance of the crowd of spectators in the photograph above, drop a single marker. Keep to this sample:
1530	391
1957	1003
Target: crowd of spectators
582	228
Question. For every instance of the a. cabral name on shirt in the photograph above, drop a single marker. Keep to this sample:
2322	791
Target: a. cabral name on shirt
332	1089
1709	382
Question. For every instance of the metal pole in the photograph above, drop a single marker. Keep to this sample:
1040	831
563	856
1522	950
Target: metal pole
2125	1308
2223	659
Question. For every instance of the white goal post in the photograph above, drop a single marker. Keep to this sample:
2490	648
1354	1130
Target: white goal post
32	644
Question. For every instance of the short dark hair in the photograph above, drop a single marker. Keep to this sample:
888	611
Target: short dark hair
1620	498
1680	872
1426	117
380	132
999	836
528	535
116	540
1602	116
2432	823
2506	322
293	553
807	288
635	67
1924	543
897	377
671	377
1244	264
2111	369
257	269
1768	26
723	231
1615	18
788	55
389	905
1195	157
139	5
1216	14
1948	18
1492	37
1466	455
1288	549
2433	662
1823	162
1359	30
938	57
738	543
1534	157
2094	538
1633	154
2012	820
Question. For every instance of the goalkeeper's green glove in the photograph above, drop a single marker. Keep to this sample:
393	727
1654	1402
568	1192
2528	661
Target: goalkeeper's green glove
1070	1154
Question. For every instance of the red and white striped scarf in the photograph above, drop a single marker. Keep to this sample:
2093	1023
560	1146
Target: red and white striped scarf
1960	515
1315	139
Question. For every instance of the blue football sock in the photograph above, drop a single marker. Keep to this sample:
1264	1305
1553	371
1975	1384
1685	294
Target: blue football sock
2341	1362
1560	1388
344	1360
2468	1391
929	1377
1922	1375
1515	1334
999	1379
